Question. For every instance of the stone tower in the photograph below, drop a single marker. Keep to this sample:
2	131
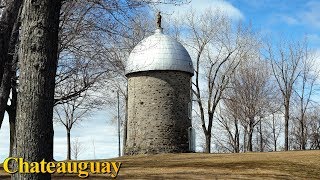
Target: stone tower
159	71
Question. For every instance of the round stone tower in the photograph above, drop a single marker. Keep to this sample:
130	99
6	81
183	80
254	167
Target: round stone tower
159	71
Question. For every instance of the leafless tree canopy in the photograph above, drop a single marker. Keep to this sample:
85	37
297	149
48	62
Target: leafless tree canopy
249	95
218	48
77	148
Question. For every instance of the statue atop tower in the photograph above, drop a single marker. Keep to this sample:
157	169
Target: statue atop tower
159	20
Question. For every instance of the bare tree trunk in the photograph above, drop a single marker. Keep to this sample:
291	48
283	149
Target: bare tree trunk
261	137
250	134
208	132
286	125
5	87
125	125
245	139
274	134
8	39
12	134
302	124
303	144
237	138
12	120
68	145
9	82
208	143
8	18
250	141
38	64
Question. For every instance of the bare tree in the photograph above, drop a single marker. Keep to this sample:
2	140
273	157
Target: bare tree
249	94
304	91
9	82
217	47
285	62
276	128
314	135
101	59
67	69
230	123
98	66
38	63
77	148
263	136
73	112
8	37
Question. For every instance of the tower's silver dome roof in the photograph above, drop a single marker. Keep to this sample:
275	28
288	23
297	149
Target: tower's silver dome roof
159	52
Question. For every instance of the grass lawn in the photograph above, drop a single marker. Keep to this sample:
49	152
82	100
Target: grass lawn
268	165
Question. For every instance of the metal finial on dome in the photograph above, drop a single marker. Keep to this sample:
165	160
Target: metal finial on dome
159	20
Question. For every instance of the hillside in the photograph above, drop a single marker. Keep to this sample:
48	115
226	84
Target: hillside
269	165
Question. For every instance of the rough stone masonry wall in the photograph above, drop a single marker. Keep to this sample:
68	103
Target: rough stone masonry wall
158	119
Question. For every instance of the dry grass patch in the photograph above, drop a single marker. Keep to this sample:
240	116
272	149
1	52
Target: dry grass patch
285	165
269	165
